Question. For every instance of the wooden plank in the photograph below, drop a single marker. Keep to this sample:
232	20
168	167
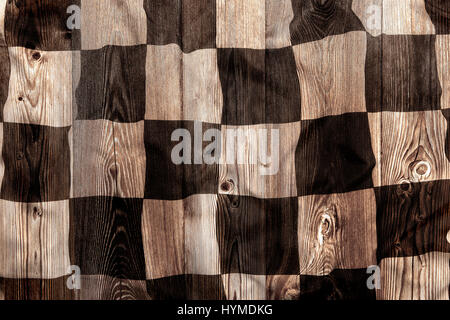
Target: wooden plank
102	287
242	286
40	25
106	237
180	236
40	88
182	86
315	20
246	173
406	17
93	163
5	73
241	24
337	231
34	239
279	15
36	289
443	65
29	175
416	152
2	22
412	218
422	277
331	75
125	21
282	287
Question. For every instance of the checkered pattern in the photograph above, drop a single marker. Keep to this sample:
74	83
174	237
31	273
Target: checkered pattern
86	174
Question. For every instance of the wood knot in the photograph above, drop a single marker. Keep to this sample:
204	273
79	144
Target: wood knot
36	55
20	98
19	155
292	294
326	225
227	186
421	169
37	212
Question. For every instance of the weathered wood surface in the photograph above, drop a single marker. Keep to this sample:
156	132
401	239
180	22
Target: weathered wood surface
359	92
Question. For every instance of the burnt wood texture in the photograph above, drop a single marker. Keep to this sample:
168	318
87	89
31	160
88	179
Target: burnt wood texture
224	149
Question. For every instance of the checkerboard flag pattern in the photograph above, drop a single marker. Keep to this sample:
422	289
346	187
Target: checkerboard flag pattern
92	90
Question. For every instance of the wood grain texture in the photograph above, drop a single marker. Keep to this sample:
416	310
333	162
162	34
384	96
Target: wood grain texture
187	287
191	24
317	19
443	65
112	84
106	237
283	287
278	16
5	73
257	236
40	88
241	24
180	237
166	180
259	86
337	231
406	17
242	286
412	146
370	13
125	21
439	11
102	287
182	86
338	285
2	22
331	73
334	155
34	239
108	159
37	163
35	289
401	73
246	173
412	219
422	277
40	25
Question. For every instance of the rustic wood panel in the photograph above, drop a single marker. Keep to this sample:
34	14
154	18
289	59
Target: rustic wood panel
34	239
242	286
180	236
412	146
40	88
36	289
125	21
331	73
2	22
406	17
241	24
282	287
40	24
337	231
422	277
242	171
37	163
278	16
443	65
182	86
106	237
412	218
102	287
